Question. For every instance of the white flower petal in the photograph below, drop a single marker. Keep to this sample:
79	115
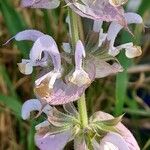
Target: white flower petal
25	68
133	51
115	28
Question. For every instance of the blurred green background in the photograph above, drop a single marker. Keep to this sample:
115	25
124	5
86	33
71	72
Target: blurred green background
127	92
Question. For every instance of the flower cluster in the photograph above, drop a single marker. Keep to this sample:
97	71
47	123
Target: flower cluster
103	130
66	76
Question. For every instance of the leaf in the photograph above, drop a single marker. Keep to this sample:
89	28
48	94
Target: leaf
14	23
122	80
12	103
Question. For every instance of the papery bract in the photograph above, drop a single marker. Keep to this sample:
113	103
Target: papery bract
47	4
98	10
122	140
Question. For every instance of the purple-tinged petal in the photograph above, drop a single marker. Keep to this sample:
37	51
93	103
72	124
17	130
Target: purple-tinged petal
124	132
113	141
29	106
31	35
48	44
128	137
103	146
53	142
33	105
47	4
98	10
133	18
62	93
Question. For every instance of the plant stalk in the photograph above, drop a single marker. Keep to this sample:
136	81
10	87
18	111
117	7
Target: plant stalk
75	37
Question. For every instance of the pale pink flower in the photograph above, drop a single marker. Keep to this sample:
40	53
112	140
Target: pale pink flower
106	132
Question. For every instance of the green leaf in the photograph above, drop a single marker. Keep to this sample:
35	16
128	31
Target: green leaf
145	5
122	78
6	78
12	104
30	138
14	23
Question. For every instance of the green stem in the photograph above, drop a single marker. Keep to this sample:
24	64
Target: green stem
75	37
74	28
83	111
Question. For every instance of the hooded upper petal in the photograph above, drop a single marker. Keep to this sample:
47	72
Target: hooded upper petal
33	105
30	35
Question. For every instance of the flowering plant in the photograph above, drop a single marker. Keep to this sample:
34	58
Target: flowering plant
66	75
